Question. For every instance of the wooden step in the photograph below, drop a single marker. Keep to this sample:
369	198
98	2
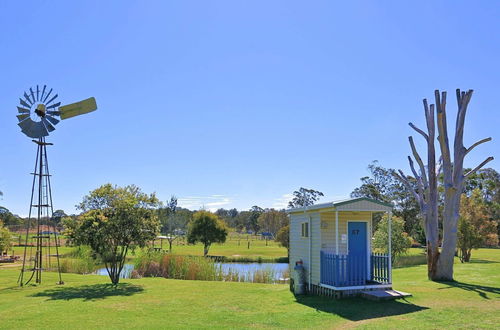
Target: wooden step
379	295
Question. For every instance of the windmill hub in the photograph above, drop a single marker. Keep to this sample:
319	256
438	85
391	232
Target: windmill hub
40	110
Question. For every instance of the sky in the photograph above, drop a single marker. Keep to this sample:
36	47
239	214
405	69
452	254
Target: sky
239	103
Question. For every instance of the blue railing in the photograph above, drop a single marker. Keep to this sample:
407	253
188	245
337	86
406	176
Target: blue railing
341	270
380	268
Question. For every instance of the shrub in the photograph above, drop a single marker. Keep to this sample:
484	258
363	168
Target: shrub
79	260
400	241
5	238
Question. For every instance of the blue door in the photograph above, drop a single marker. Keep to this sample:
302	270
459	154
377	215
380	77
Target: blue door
357	259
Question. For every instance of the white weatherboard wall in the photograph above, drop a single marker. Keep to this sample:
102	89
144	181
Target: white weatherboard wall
299	246
316	248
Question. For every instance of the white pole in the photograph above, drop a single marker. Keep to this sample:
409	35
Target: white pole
390	246
336	232
310	252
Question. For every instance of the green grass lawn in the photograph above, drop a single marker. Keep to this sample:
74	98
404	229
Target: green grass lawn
87	301
235	246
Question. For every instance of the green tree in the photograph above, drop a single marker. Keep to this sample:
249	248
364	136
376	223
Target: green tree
304	197
252	222
57	216
475	229
283	238
206	228
381	185
488	182
8	218
115	220
272	221
166	216
400	241
5	238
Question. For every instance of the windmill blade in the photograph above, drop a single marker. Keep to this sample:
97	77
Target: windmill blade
27	127
46	97
22	117
32	95
49	127
26	96
33	129
55	105
39	130
23	110
37	92
24	103
43	91
54	113
52	99
52	120
78	108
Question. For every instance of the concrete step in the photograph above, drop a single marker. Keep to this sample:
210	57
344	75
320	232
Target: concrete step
379	295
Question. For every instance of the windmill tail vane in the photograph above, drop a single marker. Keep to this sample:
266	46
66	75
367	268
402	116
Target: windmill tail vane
38	114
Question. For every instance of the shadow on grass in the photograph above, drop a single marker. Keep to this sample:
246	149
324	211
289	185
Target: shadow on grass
481	290
482	261
358	309
90	292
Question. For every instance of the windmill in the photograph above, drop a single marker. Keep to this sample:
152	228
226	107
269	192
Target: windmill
39	111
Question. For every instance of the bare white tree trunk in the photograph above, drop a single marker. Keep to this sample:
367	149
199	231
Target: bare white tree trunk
453	177
440	264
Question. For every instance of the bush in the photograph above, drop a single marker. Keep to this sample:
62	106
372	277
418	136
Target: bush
79	260
5	238
400	241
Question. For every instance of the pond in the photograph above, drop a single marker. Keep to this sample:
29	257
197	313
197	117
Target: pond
278	270
126	272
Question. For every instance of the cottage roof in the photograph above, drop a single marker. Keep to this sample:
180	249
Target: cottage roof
351	204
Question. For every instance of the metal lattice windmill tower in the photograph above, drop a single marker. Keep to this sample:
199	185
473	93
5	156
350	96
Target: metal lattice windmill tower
38	114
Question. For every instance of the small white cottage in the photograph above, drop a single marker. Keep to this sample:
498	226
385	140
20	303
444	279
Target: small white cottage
333	240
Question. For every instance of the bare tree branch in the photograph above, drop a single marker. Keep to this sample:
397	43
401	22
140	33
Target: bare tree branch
417	177
426	137
402	177
429	118
462	108
419	161
459	150
443	138
477	143
478	167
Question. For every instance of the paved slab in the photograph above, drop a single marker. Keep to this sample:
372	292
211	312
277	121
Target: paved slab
384	294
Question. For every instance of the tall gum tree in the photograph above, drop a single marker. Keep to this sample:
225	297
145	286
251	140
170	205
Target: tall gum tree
440	263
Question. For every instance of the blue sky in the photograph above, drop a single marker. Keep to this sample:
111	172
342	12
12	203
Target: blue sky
239	103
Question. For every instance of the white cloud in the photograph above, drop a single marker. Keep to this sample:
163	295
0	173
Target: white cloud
282	202
211	203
